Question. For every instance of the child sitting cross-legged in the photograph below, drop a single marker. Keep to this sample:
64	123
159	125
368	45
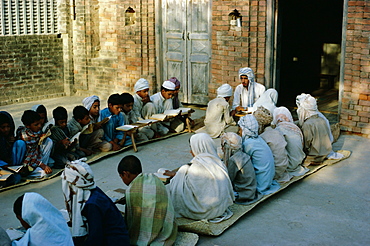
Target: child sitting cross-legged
31	133
64	150
80	119
114	109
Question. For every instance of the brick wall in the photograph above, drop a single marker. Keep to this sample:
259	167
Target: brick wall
31	68
231	49
355	111
110	56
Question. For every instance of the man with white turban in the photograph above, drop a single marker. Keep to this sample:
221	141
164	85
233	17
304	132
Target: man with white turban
202	190
247	93
92	213
240	168
218	113
260	153
316	130
163	101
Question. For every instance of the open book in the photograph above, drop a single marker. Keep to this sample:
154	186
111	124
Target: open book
126	128
15	169
4	175
147	121
102	122
42	138
160	117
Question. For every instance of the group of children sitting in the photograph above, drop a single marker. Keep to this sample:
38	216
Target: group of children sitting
40	145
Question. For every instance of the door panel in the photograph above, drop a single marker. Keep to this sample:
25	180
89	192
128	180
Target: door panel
186	49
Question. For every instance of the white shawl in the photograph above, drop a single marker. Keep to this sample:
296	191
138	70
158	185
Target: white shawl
77	181
48	227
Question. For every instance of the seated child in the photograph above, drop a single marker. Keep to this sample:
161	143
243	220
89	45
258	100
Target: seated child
92	213
92	104
41	110
175	100
80	119
44	223
64	150
144	133
31	134
146	200
7	140
260	153
111	135
163	101
143	108
240	169
218	113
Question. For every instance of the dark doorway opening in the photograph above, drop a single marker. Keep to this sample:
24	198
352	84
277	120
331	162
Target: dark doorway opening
309	34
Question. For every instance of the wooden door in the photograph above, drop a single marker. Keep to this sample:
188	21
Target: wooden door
186	47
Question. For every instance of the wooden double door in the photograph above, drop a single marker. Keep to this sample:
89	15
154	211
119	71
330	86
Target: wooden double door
185	47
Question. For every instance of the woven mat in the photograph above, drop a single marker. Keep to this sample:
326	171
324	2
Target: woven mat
214	229
90	159
186	239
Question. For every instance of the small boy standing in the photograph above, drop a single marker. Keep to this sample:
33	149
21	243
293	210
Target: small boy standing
31	134
64	150
113	111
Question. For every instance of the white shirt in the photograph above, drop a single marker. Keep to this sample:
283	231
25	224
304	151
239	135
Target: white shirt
242	95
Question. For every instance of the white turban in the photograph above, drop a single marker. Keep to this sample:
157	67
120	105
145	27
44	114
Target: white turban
249	126
89	101
141	84
307	107
224	90
247	71
169	85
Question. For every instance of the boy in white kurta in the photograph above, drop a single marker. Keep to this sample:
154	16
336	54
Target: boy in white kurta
218	112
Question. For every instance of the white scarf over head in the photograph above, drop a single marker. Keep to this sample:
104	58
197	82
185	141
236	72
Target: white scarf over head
202	190
283	118
224	90
249	126
89	101
307	107
230	142
48	227
77	181
247	71
268	100
141	84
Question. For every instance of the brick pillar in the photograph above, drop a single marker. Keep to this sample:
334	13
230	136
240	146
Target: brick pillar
355	111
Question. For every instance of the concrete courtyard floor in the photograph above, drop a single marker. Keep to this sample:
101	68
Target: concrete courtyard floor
330	207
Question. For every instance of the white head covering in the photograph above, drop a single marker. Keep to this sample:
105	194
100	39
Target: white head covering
48	227
268	100
249	126
202	143
224	90
247	71
89	101
283	118
307	107
231	142
169	85
77	181
141	84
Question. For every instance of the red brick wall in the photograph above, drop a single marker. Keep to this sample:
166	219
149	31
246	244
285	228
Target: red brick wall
232	50
355	111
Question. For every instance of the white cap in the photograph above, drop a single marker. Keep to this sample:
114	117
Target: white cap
169	85
225	90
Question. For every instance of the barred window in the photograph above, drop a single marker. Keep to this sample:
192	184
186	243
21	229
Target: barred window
25	17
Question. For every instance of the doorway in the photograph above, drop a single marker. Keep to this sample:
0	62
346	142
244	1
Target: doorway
184	49
308	50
